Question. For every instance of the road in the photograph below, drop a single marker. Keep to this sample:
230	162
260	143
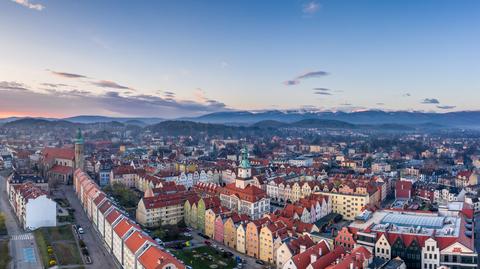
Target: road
23	248
476	234
100	257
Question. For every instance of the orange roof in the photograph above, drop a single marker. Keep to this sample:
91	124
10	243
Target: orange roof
113	216
136	240
50	154
60	169
250	193
123	227
154	258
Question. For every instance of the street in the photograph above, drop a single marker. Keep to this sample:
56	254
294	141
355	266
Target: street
476	234
22	245
98	253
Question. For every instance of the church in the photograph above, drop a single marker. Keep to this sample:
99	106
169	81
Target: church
58	164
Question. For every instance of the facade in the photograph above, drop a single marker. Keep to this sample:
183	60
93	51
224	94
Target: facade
242	196
162	207
421	240
345	239
32	206
131	247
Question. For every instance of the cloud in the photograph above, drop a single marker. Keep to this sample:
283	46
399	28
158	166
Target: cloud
346	104
110	84
291	82
380	104
68	93
323	93
18	99
322	89
54	85
26	3
67	75
311	8
406	94
313	74
13	86
430	101
446	107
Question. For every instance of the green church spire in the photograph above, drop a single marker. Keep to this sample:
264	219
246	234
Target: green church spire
79	139
245	163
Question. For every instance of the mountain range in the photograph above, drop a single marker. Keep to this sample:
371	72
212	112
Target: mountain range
463	119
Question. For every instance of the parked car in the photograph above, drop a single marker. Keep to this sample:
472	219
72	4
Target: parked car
208	243
80	230
260	262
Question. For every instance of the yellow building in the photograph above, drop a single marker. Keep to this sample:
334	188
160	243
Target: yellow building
210	223
154	211
240	245
251	239
269	240
194	216
229	233
346	202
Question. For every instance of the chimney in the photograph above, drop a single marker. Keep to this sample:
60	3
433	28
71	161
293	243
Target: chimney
320	252
351	265
160	261
313	258
302	248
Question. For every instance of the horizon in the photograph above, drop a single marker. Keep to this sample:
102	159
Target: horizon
187	59
233	111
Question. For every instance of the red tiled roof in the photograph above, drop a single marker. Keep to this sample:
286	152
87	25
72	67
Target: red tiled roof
329	258
250	193
113	216
50	154
105	206
136	240
154	258
61	169
302	260
123	227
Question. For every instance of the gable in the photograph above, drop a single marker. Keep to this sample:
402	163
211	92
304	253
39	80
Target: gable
456	248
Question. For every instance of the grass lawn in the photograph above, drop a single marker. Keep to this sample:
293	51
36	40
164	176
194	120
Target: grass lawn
67	253
62	240
3	228
4	255
199	258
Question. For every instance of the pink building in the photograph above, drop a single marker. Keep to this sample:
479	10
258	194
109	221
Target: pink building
218	236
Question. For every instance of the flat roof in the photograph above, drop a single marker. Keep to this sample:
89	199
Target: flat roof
405	220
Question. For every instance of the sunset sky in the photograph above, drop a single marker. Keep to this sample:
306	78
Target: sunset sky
186	58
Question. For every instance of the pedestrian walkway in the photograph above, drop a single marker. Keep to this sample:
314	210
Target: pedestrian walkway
19	237
29	255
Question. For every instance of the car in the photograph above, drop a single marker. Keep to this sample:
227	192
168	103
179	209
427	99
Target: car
80	230
187	234
260	262
208	243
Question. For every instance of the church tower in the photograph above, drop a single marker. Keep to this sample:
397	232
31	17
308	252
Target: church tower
244	171
79	156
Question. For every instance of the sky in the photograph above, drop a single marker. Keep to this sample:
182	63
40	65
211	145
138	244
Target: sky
187	58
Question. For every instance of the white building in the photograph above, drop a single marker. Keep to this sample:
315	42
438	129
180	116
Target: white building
32	206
